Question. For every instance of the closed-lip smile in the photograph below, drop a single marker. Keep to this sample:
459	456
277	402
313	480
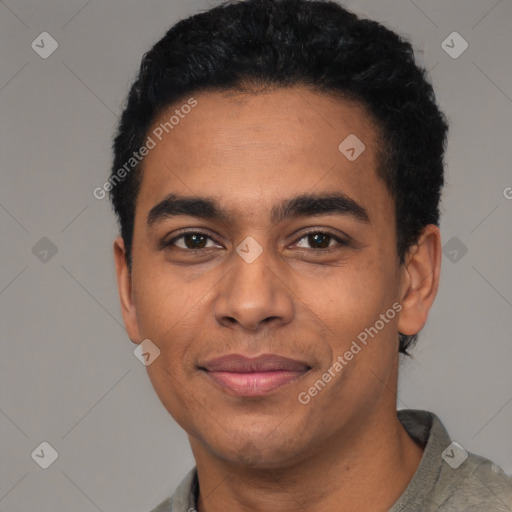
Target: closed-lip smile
253	376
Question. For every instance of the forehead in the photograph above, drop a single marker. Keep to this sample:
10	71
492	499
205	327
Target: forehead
249	149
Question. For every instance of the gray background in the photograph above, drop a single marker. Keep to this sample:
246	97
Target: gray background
68	374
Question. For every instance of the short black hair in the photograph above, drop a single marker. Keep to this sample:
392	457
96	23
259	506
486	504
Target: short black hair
250	45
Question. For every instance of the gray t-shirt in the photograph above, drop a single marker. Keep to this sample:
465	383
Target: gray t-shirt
448	478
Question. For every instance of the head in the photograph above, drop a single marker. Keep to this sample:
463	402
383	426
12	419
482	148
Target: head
311	135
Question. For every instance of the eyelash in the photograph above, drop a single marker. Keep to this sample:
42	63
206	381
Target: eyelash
339	241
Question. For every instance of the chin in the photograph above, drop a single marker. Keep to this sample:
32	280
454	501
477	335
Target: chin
258	453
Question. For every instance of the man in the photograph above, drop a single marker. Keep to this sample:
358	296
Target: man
277	176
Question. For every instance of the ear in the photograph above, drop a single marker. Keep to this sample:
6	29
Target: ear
420	282
124	286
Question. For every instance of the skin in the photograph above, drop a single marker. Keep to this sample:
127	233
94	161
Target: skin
345	449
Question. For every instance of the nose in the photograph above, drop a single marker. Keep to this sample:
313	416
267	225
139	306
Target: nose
253	295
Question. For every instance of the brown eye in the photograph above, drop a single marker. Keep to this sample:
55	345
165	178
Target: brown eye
320	240
192	241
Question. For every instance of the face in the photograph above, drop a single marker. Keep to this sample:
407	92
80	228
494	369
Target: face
255	235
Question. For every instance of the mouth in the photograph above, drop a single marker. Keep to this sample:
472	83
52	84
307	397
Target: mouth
249	377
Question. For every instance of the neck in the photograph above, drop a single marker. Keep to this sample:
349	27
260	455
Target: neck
364	468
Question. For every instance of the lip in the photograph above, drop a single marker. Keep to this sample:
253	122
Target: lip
253	376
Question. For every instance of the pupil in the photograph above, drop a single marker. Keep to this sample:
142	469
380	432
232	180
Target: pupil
197	241
319	240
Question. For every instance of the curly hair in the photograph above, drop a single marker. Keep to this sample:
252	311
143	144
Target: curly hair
252	44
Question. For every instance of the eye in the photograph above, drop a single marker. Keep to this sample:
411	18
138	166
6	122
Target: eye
192	240
320	240
196	240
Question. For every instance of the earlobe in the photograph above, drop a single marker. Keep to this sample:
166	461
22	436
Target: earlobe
420	283
124	286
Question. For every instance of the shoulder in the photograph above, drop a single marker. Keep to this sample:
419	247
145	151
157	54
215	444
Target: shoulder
165	506
449	478
477	484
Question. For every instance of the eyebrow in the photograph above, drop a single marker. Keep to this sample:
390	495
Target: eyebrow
299	206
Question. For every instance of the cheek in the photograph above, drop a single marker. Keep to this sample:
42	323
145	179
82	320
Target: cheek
359	286
161	298
354	301
176	313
